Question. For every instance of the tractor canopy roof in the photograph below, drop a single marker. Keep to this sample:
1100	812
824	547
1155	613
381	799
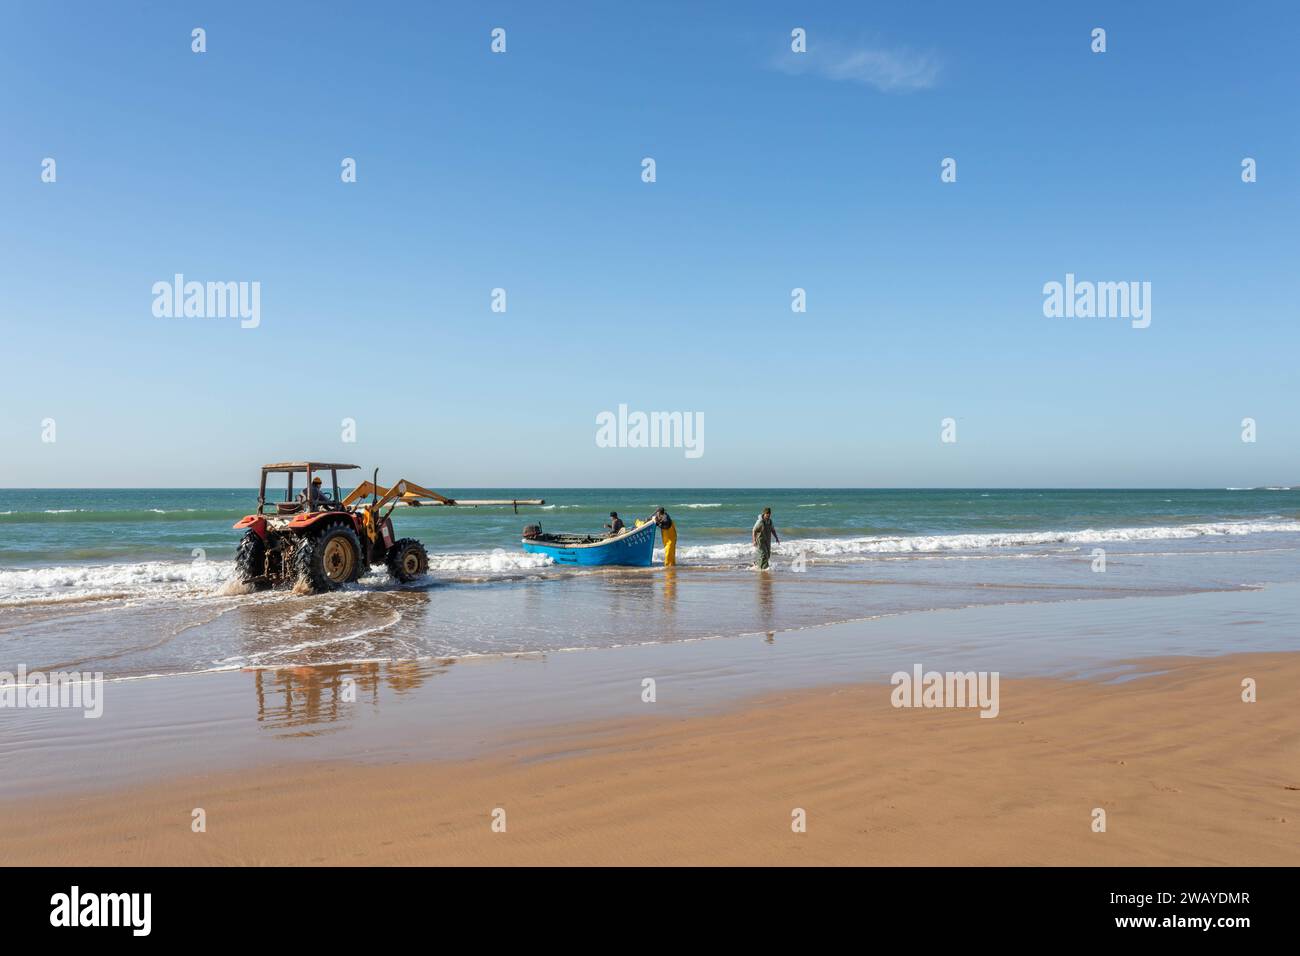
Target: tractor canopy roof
295	466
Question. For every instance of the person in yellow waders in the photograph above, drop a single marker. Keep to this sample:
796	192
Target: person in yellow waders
668	531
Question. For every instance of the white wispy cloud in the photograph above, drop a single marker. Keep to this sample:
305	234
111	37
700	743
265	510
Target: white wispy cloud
890	70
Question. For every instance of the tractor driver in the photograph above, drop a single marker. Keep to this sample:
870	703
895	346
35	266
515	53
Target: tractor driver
315	496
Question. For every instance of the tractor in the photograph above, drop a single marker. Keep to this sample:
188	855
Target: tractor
324	540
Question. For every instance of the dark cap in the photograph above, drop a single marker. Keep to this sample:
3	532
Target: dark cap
613	514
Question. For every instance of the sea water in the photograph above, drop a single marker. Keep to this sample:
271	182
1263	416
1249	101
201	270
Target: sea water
136	582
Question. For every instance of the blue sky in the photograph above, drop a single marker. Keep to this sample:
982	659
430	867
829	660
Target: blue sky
522	171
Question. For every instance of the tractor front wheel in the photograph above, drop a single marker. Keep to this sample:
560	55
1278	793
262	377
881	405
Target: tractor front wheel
407	560
329	558
250	558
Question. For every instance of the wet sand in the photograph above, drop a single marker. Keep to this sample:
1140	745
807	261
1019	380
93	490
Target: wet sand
192	626
1186	772
1120	705
431	709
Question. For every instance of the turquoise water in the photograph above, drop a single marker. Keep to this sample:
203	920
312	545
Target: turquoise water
42	528
138	582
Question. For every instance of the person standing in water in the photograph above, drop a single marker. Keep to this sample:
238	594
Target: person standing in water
669	532
763	534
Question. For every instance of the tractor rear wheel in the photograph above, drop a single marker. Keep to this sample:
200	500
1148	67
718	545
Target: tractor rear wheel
407	560
329	558
250	557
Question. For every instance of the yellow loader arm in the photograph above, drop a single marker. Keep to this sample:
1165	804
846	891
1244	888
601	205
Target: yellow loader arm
407	492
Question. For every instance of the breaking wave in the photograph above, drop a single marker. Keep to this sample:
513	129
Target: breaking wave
927	544
498	560
200	578
211	578
78	582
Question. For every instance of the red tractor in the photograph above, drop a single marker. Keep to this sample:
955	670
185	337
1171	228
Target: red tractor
324	540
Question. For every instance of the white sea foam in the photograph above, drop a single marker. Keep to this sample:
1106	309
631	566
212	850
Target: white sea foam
210	578
73	582
499	560
711	504
922	544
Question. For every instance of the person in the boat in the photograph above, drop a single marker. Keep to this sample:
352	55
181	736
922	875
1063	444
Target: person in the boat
615	525
763	534
668	531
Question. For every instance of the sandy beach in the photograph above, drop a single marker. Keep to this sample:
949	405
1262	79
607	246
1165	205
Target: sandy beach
1186	772
443	440
702	715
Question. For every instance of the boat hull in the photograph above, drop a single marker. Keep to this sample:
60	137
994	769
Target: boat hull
634	549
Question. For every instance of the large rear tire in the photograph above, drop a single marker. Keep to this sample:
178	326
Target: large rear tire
329	558
407	560
250	557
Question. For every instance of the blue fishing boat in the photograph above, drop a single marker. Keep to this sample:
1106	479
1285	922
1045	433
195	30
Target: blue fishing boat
634	547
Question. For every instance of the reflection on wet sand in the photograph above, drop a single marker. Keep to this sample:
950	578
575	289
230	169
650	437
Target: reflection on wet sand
629	592
765	606
670	590
324	694
326	629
